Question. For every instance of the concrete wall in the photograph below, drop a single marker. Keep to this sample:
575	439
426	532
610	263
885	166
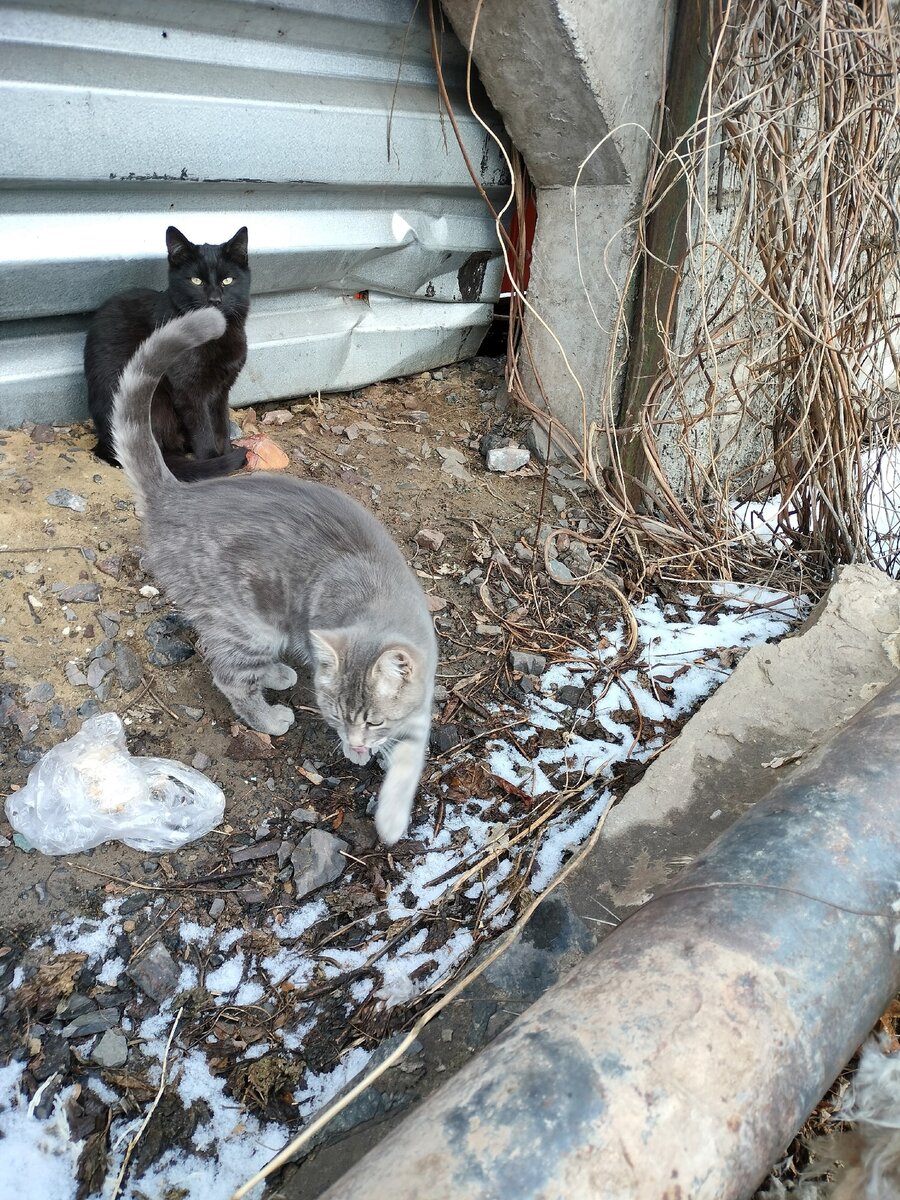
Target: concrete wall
562	74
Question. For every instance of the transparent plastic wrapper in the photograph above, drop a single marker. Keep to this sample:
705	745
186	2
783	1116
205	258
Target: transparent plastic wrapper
89	790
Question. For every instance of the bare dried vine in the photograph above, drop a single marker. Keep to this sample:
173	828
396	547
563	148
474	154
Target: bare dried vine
779	353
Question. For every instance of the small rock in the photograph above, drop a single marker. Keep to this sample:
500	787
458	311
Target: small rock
148	591
201	761
252	895
128	667
507	458
22	842
169	651
77	593
317	860
523	553
285	850
43	433
73	1006
132	904
453	462
89	708
27	756
109	623
305	816
40	693
430	539
111	1050
103	650
527	662
571	694
277	416
234	430
559	571
63	498
492	441
4	844
98	670
194	714
103	689
251	853
88	1023
217	907
488	630
110	566
444	738
156	973
435	604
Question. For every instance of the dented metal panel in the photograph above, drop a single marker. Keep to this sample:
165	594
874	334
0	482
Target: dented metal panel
318	125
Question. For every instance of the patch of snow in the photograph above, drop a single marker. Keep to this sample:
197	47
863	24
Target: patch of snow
227	978
38	1156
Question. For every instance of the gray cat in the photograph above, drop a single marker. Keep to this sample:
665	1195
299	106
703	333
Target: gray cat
268	567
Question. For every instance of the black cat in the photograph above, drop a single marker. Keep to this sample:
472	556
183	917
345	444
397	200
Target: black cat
189	414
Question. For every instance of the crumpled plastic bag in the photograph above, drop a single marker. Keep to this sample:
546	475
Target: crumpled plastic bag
89	790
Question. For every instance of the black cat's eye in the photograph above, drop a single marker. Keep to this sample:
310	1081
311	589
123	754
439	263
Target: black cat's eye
195	281
374	724
225	282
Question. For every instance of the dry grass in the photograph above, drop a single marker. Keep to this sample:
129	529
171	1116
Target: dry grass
784	329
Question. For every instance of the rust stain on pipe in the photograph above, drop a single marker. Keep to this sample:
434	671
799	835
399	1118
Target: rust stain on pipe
678	1060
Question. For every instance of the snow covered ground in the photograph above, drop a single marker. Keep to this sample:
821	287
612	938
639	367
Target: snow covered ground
560	759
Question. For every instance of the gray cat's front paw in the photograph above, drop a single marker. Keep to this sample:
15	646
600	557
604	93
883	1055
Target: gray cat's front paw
391	821
276	720
278	676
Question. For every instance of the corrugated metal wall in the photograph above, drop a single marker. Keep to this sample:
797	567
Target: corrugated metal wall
314	122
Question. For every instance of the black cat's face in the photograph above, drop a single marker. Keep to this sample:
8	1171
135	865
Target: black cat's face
209	275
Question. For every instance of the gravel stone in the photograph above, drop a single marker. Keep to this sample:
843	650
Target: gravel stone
156	973
527	662
504	459
317	861
128	667
63	498
111	1050
77	593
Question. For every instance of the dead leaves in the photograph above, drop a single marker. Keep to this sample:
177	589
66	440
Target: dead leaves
263	454
53	982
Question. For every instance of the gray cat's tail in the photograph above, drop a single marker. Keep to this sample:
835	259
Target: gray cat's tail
136	447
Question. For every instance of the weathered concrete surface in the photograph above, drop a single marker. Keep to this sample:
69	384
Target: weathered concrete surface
781	701
563	75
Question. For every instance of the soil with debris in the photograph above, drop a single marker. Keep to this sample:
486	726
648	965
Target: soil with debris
284	947
84	629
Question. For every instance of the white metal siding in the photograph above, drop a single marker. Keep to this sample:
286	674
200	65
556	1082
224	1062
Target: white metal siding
316	124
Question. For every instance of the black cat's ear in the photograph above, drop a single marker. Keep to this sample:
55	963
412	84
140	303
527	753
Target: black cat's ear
180	249
236	248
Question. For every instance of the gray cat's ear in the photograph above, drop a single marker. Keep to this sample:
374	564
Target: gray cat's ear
326	647
236	248
395	666
178	246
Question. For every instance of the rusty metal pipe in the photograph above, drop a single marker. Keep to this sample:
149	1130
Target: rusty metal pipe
677	1061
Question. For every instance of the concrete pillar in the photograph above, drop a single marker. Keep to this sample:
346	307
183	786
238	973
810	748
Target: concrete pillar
562	74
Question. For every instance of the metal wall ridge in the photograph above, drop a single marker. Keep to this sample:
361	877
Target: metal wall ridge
318	125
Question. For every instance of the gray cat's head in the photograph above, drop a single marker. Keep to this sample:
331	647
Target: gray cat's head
367	691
